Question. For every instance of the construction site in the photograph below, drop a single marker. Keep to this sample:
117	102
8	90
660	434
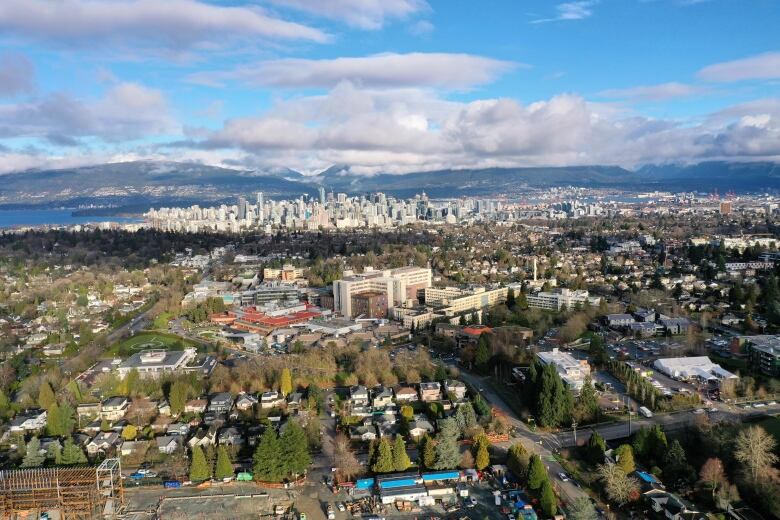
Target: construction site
67	493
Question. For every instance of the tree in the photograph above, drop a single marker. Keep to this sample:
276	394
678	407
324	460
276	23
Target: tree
587	401
712	474
224	468
177	397
553	398
384	458
407	412
401	460
54	452
596	448
482	357
129	432
285	381
268	465
447	451
33	457
620	488
676	467
518	459
295	449
46	396
72	454
625	458
465	417
482	460
754	448
547	500
428	452
582	509
537	474
199	468
344	459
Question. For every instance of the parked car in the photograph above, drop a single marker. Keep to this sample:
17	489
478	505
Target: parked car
341	506
563	476
331	512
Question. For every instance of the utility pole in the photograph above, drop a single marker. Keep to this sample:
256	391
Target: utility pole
574	426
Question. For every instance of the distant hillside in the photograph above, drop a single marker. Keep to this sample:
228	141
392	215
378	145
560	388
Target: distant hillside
144	183
136	186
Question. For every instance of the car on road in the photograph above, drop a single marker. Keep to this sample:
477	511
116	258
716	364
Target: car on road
759	405
302	516
331	512
341	506
698	411
471	502
563	476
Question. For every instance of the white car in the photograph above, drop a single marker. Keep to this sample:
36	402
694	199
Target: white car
698	411
563	476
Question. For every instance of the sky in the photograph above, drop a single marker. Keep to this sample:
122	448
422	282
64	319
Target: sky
388	86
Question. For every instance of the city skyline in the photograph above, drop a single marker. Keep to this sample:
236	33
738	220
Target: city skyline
392	86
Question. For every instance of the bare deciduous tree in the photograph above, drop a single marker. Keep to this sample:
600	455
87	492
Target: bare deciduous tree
755	449
712	474
620	487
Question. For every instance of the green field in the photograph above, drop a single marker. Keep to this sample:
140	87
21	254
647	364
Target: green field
148	341
771	424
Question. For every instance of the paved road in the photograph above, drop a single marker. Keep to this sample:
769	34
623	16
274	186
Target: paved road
543	444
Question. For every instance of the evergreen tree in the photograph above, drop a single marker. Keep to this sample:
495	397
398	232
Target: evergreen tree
72	454
33	458
465	417
46	396
224	467
177	396
384	457
268	465
547	500
401	460
555	401
285	381
587	401
54	452
625	458
447	451
483	354
295	449
582	509
482	460
596	448
428	452
199	468
518	459
677	471
373	451
537	474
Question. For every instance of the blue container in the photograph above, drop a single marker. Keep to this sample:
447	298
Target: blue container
171	484
401	482
441	475
364	483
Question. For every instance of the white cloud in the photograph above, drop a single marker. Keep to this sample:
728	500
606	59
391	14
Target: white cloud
760	67
660	92
405	130
442	70
363	14
578	10
17	75
172	24
126	111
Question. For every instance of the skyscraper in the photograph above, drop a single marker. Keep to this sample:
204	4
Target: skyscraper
322	195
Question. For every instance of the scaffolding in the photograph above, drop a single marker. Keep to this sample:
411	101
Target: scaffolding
76	493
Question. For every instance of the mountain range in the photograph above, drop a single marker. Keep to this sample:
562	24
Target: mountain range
136	186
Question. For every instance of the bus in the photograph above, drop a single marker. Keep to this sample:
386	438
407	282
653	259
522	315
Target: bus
645	411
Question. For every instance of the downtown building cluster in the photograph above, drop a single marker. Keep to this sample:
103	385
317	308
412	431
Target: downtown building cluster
327	211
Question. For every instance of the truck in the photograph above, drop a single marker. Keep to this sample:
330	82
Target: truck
645	411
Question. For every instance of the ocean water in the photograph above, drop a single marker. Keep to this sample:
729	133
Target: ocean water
40	217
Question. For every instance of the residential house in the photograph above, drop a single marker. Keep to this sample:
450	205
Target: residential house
28	421
272	399
294	400
195	406
363	433
103	443
358	395
672	506
430	391
168	443
178	428
88	410
130	448
230	436
246	401
203	437
419	426
406	394
383	397
221	402
114	408
455	388
164	407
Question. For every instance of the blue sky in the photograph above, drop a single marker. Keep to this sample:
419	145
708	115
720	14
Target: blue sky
388	85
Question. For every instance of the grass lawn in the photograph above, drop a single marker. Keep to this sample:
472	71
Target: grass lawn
148	341
771	425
